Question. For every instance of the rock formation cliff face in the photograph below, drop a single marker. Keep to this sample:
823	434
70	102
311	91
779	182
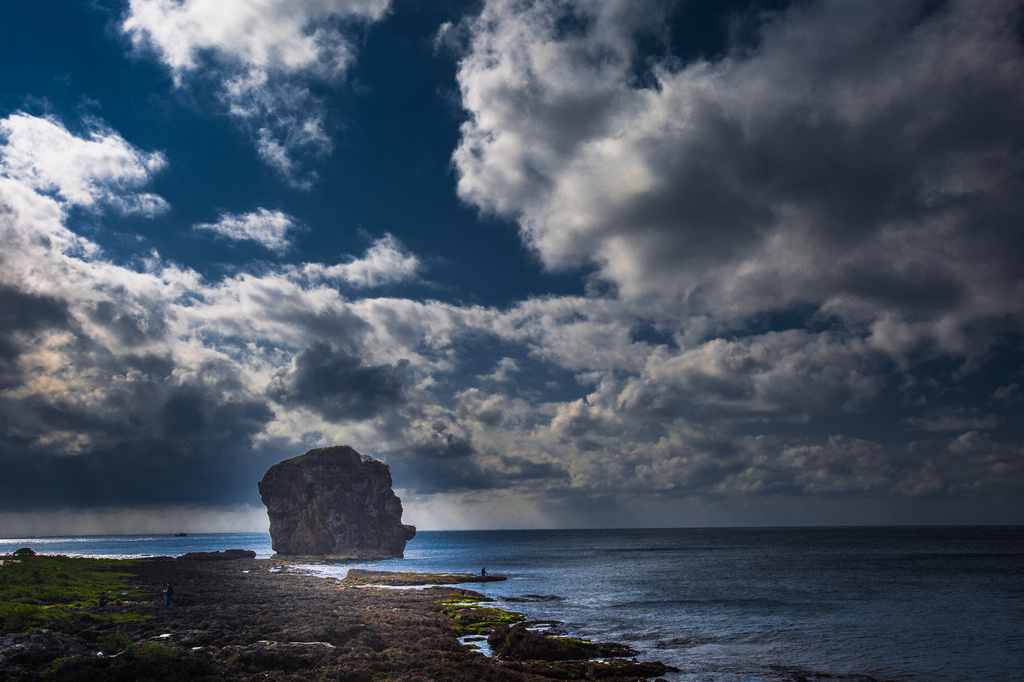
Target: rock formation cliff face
334	502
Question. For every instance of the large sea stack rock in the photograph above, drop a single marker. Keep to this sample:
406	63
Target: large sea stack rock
334	502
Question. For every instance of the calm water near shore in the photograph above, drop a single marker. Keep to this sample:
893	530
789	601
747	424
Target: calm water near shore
729	605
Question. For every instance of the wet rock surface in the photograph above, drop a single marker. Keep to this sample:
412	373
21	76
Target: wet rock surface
225	555
526	598
519	643
248	619
359	576
334	502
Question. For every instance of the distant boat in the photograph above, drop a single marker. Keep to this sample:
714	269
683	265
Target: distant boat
180	535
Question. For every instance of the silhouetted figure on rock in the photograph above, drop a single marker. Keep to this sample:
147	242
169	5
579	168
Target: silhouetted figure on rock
168	594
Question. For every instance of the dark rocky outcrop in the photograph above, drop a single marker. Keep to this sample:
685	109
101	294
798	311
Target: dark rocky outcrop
334	502
362	576
226	555
523	650
518	642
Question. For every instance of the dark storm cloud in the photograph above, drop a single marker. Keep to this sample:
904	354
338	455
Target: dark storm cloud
101	406
22	311
863	166
337	385
443	445
1010	394
201	409
158	441
22	314
135	474
438	456
955	419
132	327
430	469
523	469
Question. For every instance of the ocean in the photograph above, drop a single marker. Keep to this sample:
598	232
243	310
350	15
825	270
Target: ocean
904	604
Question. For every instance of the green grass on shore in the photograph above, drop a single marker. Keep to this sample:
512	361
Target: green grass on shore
56	592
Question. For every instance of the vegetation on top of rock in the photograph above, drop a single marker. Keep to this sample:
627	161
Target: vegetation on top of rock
335	451
474	619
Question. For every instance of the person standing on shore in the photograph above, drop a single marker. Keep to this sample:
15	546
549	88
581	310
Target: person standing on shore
168	594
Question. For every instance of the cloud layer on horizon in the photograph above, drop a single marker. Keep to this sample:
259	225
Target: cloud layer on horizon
789	244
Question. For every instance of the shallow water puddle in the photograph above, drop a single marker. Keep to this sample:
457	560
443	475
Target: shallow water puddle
477	643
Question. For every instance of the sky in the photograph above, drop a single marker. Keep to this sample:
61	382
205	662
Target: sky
558	263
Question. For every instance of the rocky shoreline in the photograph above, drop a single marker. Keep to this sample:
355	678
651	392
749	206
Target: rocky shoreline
259	619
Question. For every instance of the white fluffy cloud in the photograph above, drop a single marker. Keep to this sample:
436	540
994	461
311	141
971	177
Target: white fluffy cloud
294	35
781	236
100	169
385	262
264	55
848	162
849	180
270	229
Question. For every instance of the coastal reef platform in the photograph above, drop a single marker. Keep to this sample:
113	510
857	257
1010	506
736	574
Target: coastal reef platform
245	618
